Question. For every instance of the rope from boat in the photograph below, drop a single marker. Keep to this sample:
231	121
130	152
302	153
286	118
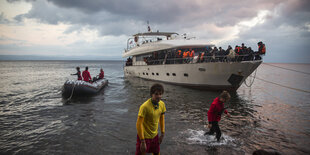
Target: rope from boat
251	83
71	93
288	69
297	89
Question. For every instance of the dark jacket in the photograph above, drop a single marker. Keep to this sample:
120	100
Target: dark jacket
101	75
78	75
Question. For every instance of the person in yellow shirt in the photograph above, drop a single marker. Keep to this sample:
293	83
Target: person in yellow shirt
151	113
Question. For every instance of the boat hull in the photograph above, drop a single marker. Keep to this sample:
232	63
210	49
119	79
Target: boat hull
211	76
80	88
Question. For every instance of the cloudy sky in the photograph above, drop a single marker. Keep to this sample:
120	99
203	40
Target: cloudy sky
100	28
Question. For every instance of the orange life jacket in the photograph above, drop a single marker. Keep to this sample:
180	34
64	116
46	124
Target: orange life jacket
184	54
192	53
202	55
179	52
263	50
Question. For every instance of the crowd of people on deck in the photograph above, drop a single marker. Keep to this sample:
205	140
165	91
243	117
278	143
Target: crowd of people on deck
86	75
209	54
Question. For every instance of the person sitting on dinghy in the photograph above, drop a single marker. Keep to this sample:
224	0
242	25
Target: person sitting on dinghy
86	75
78	73
101	75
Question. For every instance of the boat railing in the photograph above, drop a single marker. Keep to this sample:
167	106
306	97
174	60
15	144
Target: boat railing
204	59
144	40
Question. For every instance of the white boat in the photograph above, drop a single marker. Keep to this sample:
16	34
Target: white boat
154	56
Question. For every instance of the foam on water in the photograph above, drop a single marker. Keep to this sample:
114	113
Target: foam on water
198	137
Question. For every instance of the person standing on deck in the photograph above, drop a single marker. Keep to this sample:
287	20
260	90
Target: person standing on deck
215	112
192	55
151	113
179	56
202	56
185	56
261	48
231	55
86	75
78	73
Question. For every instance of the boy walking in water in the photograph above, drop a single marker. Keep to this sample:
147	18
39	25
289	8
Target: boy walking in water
215	112
151	113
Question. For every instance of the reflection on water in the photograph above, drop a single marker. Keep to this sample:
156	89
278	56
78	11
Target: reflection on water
35	119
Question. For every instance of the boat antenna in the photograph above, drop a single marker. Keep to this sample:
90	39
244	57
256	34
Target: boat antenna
148	27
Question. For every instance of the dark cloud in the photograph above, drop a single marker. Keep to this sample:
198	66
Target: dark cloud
105	22
287	38
118	13
12	1
143	10
187	12
286	28
294	13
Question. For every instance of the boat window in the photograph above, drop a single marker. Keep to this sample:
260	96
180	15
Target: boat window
185	74
173	74
157	74
141	57
147	73
143	73
167	74
152	73
201	69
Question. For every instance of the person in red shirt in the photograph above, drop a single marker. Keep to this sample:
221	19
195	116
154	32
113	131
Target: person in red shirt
86	75
101	75
215	112
78	73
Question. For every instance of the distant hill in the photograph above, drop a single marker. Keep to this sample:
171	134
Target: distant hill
41	57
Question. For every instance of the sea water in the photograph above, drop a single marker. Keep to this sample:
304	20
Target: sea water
35	119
